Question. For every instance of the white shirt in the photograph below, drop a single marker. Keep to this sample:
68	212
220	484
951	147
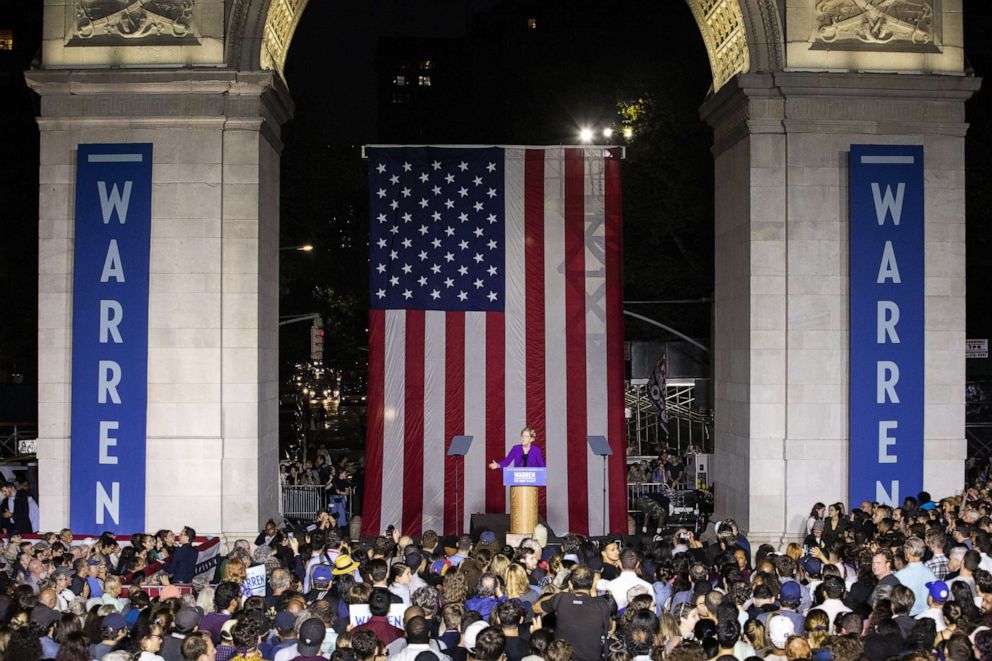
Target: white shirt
65	598
287	653
619	586
33	515
935	614
833	607
410	653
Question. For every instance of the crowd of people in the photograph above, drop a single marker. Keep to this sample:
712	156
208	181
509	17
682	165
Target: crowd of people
871	584
342	481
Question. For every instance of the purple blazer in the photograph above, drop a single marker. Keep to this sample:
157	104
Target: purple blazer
534	458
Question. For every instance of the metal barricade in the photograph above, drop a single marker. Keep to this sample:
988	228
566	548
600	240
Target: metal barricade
637	490
302	502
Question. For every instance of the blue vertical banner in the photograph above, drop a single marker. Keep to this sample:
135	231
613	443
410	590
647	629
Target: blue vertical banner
110	337
886	322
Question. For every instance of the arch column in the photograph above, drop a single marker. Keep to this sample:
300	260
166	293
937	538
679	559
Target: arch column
781	311
212	426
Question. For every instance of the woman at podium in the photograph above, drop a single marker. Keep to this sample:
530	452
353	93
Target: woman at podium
522	455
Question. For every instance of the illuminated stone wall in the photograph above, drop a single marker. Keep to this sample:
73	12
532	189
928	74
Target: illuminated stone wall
132	33
922	36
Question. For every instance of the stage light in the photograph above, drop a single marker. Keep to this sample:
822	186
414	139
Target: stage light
607	132
585	135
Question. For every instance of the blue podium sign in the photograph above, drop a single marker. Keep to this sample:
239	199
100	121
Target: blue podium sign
886	323
110	338
525	477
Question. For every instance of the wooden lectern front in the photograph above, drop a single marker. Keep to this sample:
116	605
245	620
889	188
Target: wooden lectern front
523	483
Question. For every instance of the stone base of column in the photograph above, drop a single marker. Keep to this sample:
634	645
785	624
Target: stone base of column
781	312
212	425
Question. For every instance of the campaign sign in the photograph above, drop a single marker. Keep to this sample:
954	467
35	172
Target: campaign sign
886	321
254	583
360	614
525	477
110	337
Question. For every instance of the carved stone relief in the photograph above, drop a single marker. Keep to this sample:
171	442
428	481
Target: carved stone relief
721	24
132	22
280	24
880	25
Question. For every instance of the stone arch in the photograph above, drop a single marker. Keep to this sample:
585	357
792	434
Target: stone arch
741	36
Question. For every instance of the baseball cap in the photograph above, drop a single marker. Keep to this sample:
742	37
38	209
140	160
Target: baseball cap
187	619
311	637
790	592
115	622
938	590
43	616
779	630
412	557
284	621
440	566
812	565
321	576
472	633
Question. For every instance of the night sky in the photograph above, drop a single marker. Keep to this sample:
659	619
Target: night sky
495	81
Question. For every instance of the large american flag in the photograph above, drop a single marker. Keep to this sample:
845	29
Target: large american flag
496	303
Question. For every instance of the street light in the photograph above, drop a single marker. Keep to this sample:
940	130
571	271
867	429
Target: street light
585	134
306	247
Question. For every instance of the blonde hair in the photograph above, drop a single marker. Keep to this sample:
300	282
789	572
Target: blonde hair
669	626
754	632
454	588
533	432
516	581
235	571
816	626
797	647
794	551
499	565
205	600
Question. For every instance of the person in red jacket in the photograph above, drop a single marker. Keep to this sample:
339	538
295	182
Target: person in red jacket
378	624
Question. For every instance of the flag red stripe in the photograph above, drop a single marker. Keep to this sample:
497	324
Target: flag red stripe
614	348
372	496
575	342
495	407
413	424
534	306
454	419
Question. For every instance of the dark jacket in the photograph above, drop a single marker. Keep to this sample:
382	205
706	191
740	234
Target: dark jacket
22	522
182	567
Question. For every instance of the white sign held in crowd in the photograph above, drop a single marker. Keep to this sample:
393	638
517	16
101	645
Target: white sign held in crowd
254	584
360	614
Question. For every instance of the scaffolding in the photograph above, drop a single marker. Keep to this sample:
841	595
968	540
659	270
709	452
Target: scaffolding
688	426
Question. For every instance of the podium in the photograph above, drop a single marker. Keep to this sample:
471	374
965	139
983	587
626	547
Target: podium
523	483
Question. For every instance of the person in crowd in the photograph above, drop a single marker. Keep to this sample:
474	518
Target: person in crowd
915	575
379	603
182	566
584	619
